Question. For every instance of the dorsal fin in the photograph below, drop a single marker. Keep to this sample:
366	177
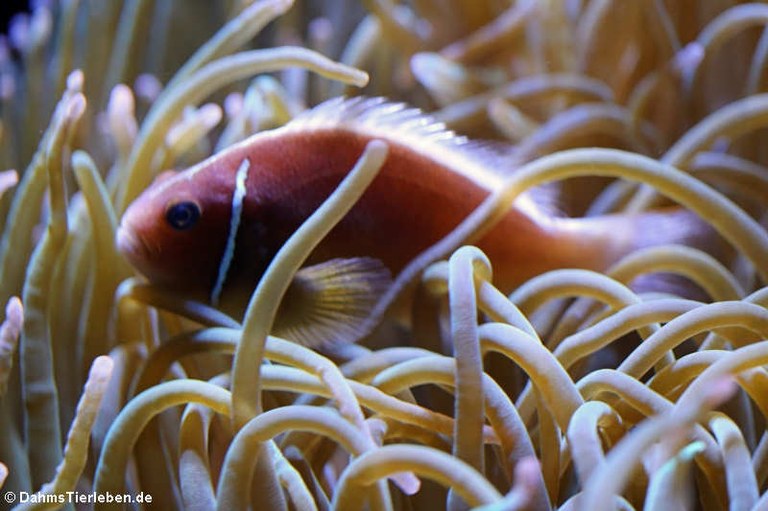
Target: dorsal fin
379	115
398	122
488	163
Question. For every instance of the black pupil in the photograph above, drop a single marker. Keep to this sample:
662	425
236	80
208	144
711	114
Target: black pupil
182	215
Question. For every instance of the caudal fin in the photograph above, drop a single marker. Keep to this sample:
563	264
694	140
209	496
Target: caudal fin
664	229
676	226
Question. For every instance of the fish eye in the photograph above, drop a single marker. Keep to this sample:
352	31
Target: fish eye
182	215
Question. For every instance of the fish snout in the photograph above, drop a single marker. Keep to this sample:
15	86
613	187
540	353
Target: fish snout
129	244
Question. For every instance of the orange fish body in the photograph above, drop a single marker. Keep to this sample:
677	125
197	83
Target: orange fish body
180	229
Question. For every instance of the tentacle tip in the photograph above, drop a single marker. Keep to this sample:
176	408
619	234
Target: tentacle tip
75	80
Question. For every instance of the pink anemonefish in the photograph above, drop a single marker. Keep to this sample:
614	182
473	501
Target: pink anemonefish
211	231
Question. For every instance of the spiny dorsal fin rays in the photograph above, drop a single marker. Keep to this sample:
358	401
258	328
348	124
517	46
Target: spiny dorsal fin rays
238	197
379	114
487	163
328	302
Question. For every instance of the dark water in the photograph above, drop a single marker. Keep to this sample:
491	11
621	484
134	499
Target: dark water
8	8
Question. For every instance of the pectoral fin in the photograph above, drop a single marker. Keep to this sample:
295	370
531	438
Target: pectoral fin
328	302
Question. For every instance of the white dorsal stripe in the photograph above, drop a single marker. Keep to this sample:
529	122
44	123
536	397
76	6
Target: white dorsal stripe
234	224
485	164
399	123
393	122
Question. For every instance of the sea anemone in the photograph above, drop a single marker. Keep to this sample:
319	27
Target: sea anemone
580	390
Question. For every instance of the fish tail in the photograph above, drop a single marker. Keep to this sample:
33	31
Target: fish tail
677	226
620	236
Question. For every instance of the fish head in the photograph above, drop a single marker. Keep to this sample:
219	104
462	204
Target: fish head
174	233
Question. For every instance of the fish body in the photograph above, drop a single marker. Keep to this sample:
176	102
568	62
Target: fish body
181	229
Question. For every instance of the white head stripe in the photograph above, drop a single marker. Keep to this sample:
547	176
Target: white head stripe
234	223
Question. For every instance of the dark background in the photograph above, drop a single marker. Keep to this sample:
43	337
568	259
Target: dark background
8	8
